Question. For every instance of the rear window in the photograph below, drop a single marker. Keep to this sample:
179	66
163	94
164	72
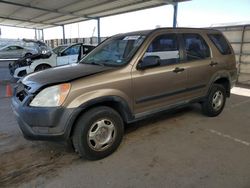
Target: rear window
221	43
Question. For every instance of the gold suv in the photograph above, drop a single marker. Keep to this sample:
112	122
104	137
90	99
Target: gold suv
126	78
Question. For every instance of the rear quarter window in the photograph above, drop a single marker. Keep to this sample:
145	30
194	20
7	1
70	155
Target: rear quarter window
221	43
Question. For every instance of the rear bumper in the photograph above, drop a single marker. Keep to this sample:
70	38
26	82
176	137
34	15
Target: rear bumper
233	76
39	123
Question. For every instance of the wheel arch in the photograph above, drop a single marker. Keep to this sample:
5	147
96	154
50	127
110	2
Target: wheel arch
224	81
28	53
35	69
114	102
222	78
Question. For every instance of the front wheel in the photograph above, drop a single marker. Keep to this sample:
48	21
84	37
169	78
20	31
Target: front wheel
215	101
98	133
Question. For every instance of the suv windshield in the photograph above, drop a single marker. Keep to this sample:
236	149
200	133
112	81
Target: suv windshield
116	51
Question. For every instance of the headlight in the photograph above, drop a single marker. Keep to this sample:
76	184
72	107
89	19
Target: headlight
52	96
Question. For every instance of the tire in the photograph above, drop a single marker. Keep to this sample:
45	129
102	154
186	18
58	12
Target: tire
28	55
215	101
98	133
42	67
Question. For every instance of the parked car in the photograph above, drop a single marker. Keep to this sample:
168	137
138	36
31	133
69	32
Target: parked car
38	45
17	68
127	78
69	55
15	52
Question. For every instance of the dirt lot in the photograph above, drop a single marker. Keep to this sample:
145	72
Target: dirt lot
179	149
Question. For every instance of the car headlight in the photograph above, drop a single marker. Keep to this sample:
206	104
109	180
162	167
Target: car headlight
52	96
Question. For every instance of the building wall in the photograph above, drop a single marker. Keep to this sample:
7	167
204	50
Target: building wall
239	37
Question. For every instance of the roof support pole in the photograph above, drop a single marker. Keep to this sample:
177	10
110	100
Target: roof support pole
175	15
42	35
35	33
98	31
63	30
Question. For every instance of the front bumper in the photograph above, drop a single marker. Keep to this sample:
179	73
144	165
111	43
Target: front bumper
17	71
44	123
12	68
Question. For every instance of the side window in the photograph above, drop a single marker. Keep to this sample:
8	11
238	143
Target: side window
19	48
220	43
15	47
12	48
195	47
166	48
7	49
74	50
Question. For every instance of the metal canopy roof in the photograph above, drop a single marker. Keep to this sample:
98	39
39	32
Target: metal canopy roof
41	14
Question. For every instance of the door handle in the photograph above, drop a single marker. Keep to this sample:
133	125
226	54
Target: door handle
177	70
213	63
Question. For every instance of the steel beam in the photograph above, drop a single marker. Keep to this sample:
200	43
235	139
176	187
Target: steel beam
24	20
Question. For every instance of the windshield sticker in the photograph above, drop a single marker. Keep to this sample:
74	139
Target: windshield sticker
136	37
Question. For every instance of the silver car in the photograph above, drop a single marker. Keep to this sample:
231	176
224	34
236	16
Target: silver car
15	52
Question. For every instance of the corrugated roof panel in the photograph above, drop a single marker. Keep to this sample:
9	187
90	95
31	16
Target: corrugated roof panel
27	13
45	17
7	10
110	5
124	9
82	5
53	4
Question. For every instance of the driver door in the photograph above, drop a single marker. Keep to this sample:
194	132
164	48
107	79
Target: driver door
163	85
69	55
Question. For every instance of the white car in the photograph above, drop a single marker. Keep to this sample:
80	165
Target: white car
70	55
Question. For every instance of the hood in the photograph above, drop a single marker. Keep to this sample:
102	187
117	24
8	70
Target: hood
60	74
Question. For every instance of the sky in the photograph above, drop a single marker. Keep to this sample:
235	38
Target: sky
195	13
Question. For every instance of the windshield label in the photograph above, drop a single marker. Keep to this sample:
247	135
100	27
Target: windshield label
136	37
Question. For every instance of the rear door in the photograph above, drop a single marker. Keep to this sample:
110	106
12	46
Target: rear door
13	52
157	87
18	51
5	53
223	56
198	61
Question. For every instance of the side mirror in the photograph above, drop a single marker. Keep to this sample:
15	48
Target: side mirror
148	62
